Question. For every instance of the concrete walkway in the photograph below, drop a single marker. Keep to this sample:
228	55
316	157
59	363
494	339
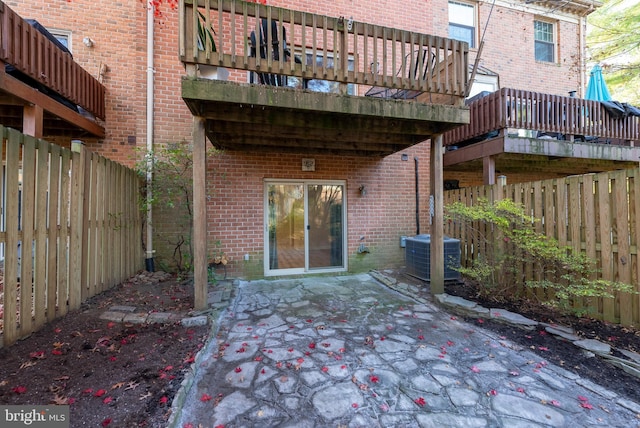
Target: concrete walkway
347	351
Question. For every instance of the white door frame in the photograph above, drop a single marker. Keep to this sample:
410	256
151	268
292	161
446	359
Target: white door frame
304	270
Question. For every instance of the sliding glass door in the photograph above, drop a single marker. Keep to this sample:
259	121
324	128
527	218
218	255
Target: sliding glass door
304	227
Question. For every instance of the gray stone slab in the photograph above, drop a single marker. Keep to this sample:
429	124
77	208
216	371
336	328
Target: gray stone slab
463	397
439	420
161	317
230	407
512	318
285	384
242	375
195	321
335	401
122	308
529	410
571	337
594	346
135	318
631	405
112	316
598	389
632	355
241	350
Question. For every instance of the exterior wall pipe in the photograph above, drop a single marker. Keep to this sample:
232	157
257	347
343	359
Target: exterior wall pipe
417	197
150	71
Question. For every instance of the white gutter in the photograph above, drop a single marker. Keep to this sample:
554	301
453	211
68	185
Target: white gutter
150	72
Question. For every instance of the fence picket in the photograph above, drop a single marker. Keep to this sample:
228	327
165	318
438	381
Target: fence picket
26	223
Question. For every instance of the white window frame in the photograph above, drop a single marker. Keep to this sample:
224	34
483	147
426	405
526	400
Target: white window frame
62	34
553	43
454	23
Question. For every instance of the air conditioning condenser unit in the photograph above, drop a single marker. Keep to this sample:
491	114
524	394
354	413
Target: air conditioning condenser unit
418	257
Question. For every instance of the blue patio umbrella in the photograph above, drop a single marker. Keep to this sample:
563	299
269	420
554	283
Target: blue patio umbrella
597	88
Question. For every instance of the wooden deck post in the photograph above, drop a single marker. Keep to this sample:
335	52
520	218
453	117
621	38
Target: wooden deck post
32	121
437	225
199	214
489	170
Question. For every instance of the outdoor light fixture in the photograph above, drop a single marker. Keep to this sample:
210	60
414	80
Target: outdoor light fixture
88	42
363	190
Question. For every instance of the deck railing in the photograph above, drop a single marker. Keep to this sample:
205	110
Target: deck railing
517	109
30	52
345	51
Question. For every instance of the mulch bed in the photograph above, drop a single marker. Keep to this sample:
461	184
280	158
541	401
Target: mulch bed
111	374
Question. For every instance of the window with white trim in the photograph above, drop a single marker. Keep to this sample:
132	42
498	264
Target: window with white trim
545	44
462	22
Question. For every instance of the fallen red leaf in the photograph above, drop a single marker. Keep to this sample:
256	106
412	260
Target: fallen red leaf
20	389
374	379
100	393
312	345
106	422
238	369
475	369
205	397
107	400
420	401
56	352
163	400
37	355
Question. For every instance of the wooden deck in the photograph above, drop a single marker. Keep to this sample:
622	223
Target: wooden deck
512	131
42	89
394	88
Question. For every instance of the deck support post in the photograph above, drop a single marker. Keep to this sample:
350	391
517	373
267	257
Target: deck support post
437	223
489	170
32	120
200	283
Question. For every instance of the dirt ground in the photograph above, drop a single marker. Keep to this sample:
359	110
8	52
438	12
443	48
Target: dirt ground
111	374
126	375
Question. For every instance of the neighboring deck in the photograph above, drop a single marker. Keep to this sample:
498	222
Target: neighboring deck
423	77
512	131
42	89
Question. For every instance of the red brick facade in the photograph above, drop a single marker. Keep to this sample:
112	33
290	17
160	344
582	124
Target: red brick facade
236	180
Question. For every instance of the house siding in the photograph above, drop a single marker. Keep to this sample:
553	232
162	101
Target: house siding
235	207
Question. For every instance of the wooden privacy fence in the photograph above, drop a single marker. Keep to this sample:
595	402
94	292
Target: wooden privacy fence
70	229
597	214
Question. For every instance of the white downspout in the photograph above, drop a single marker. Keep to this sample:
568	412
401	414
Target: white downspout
150	71
583	54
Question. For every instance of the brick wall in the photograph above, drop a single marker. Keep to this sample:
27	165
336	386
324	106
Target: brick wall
235	216
387	211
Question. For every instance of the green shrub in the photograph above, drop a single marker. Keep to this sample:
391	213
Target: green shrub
505	242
